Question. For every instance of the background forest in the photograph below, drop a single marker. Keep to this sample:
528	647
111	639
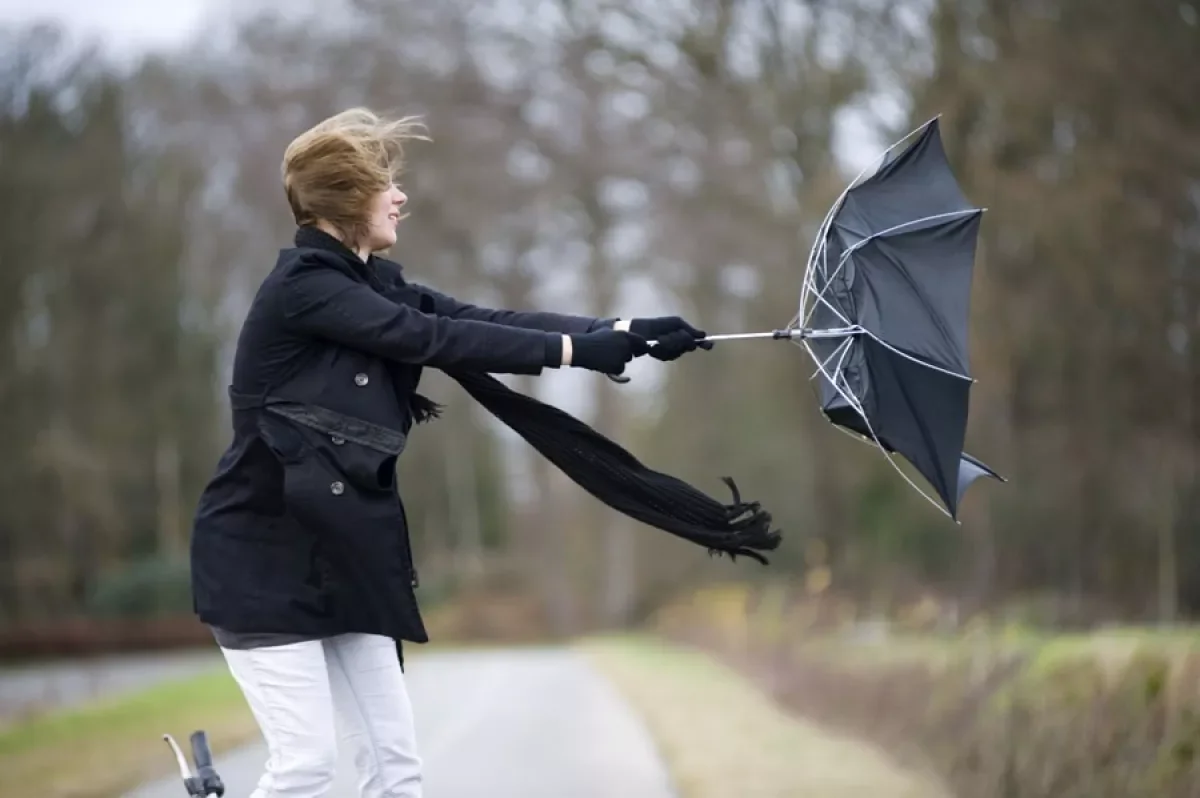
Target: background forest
611	157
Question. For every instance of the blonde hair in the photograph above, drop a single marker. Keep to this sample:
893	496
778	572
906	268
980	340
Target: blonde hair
332	171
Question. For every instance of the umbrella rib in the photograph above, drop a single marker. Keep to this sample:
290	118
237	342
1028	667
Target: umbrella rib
840	352
858	408
888	231
916	360
809	287
818	296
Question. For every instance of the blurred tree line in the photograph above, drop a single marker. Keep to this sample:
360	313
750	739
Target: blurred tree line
609	157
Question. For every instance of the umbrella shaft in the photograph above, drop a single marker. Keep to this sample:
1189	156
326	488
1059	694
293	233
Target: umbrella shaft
785	334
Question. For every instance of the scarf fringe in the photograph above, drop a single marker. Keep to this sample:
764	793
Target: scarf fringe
424	409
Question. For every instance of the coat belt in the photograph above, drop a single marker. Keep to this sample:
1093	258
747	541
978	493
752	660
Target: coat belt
329	422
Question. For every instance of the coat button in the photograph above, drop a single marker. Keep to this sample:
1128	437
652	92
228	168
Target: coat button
337	488
361	379
338	440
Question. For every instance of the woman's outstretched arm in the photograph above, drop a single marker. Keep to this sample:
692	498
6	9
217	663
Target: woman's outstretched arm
322	300
546	321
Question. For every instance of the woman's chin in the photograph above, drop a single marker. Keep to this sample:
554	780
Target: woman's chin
384	243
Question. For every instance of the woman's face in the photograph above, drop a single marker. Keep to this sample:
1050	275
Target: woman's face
384	216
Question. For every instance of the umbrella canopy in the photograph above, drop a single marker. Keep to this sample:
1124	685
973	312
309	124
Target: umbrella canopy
885	308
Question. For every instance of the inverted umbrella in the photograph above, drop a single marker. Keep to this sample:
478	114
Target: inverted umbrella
883	313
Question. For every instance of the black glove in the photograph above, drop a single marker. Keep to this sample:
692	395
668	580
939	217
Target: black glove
670	327
655	328
675	336
676	344
606	351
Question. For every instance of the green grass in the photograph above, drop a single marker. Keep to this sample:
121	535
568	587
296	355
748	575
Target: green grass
720	736
103	748
1111	648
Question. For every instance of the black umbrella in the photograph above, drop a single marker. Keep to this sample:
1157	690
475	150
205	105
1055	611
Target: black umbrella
883	313
890	275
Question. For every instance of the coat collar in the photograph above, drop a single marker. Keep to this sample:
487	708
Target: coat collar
313	237
373	270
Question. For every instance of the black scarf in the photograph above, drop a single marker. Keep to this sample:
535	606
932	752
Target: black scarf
617	478
604	469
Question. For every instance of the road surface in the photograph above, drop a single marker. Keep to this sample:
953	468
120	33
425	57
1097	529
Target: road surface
514	723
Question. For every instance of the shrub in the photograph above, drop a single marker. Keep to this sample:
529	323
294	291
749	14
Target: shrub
143	589
1012	726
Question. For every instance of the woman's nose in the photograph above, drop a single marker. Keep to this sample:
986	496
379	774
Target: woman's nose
399	198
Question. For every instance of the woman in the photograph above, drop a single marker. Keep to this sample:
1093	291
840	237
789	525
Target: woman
300	553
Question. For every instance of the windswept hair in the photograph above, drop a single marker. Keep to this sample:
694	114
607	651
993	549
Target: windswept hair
333	170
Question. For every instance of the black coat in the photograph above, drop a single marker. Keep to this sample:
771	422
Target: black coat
302	529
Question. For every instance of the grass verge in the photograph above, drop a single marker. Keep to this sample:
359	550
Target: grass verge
1073	718
721	736
107	747
998	709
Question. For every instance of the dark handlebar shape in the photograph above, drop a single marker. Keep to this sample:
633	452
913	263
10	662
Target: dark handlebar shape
210	782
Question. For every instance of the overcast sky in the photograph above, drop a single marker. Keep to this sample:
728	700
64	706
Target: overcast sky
130	27
124	24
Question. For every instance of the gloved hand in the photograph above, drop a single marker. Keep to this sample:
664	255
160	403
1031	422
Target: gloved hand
606	351
675	336
653	329
676	344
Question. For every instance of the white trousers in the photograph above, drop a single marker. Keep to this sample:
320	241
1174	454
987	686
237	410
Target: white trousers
296	690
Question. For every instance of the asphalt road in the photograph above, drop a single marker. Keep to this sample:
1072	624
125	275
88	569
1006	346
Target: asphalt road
519	723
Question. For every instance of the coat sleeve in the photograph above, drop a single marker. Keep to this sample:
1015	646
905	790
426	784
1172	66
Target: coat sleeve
322	301
531	320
